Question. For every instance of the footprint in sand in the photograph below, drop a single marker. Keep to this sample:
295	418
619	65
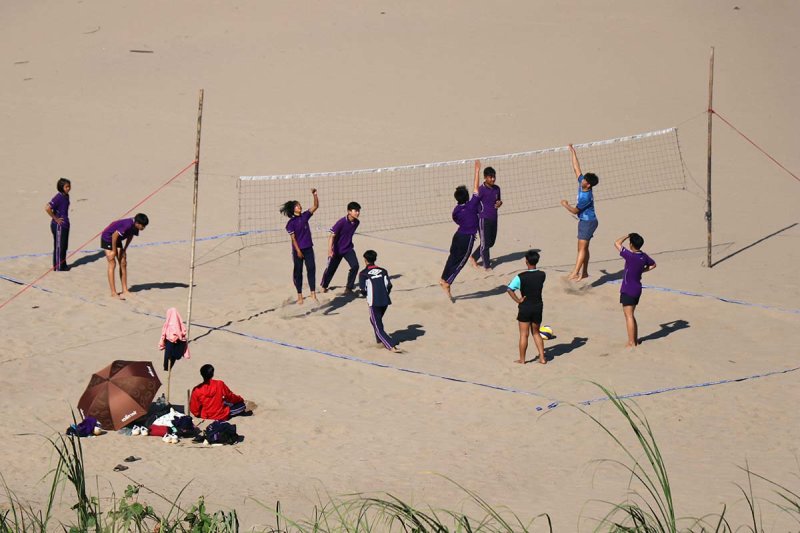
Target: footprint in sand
579	288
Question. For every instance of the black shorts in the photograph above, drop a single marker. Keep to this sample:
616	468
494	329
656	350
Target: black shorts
627	300
106	245
530	314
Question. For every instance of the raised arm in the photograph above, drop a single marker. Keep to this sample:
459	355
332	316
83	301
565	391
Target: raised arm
316	201
618	242
477	181
576	166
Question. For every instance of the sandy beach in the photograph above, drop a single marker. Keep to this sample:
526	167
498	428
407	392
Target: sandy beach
106	95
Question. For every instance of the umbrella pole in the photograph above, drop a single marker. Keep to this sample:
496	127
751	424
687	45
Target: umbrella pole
194	229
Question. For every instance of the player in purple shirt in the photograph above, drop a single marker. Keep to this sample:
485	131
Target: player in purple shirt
465	214
111	241
58	209
489	194
302	246
340	246
636	263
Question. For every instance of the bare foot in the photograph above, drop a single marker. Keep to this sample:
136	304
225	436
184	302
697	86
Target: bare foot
446	288
324	289
314	296
299	299
116	296
473	262
488	269
629	345
520	361
542	360
125	294
396	350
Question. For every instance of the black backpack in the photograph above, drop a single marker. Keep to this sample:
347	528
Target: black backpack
221	432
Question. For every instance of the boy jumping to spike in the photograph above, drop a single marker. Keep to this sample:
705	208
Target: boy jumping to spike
529	314
587	219
374	282
489	193
636	263
465	214
340	246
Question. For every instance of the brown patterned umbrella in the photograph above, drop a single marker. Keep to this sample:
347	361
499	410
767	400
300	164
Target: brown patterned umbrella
120	393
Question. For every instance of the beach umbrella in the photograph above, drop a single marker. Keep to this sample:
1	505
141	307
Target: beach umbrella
120	393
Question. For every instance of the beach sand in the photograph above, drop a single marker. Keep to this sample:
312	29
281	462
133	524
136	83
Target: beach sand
315	86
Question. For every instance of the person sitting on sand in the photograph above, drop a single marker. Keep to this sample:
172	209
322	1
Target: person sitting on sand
213	400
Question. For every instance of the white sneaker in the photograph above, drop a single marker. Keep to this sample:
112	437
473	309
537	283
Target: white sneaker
167	438
174	439
143	432
136	431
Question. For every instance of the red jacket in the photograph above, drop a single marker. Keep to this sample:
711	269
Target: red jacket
207	400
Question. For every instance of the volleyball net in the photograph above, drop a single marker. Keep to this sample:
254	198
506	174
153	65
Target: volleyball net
419	195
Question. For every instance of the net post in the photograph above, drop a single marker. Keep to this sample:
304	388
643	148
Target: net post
708	175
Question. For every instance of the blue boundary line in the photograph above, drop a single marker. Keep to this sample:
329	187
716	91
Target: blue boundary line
549	406
423	246
552	405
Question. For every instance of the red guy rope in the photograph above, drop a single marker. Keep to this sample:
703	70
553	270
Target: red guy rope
82	246
792	174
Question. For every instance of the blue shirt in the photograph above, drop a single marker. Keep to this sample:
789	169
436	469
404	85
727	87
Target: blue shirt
585	203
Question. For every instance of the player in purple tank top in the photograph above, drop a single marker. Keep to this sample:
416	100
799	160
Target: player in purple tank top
465	214
111	240
58	209
636	263
302	246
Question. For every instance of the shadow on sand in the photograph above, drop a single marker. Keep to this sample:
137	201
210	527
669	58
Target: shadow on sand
158	285
411	333
667	328
551	352
88	258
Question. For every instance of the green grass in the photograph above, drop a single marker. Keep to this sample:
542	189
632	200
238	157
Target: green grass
648	508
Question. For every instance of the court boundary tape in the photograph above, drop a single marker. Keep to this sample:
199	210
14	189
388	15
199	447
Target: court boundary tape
426	247
553	402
